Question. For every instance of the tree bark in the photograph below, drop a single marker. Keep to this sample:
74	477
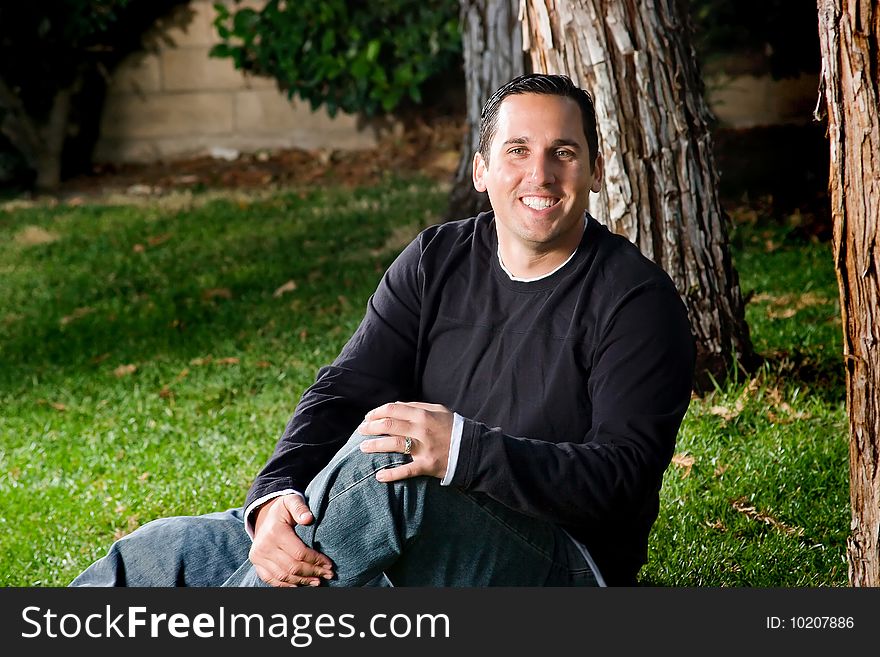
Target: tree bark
493	54
661	183
41	145
849	35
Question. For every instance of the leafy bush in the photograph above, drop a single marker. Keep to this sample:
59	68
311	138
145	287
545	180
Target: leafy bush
341	53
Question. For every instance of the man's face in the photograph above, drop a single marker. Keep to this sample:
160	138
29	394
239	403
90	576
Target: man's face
538	173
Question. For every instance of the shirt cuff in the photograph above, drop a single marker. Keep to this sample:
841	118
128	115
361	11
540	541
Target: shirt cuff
454	447
260	501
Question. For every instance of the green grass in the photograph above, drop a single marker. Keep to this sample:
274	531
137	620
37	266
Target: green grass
147	367
765	502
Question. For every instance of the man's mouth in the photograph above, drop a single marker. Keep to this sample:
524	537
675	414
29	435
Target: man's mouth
539	202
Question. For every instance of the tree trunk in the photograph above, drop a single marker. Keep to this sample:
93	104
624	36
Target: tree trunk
661	185
54	134
493	54
40	145
849	34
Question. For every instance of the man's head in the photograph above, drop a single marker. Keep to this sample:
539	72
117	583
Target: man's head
539	167
539	83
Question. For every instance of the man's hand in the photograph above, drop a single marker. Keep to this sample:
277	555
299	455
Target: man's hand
278	554
429	427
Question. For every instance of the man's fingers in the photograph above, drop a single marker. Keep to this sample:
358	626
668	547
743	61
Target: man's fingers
406	471
299	510
275	575
385	444
385	426
299	566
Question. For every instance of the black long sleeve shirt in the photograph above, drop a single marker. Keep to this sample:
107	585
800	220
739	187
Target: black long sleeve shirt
573	386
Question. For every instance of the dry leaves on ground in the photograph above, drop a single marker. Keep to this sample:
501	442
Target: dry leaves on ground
684	461
124	370
76	314
289	286
786	306
749	510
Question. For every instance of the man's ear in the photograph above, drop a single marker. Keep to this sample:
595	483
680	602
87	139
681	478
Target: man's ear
598	172
479	172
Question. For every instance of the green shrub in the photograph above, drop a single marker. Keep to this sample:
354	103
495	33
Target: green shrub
343	54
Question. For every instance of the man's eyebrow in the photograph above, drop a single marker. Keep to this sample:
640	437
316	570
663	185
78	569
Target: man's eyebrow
556	143
571	143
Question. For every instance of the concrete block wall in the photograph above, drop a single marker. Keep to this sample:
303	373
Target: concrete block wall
172	100
747	101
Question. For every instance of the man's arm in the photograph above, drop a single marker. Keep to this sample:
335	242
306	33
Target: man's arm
375	366
640	387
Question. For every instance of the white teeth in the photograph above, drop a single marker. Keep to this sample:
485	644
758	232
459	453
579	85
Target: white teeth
538	202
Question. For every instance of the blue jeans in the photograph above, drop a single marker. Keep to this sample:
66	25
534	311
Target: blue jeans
413	532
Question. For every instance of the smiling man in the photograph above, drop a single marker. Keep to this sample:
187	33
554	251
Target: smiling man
502	416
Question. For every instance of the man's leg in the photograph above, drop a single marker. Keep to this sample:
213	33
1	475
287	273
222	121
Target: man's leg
422	534
179	551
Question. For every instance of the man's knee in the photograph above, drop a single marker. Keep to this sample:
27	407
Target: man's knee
351	468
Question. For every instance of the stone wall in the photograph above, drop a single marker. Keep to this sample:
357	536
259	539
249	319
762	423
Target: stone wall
172	100
749	101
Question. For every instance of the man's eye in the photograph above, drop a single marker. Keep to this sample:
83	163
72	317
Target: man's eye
517	151
564	154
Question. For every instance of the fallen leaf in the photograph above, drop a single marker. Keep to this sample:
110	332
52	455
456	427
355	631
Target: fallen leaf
231	360
204	360
749	510
217	293
165	393
685	461
786	313
101	358
182	374
263	364
58	406
289	286
138	248
144	476
76	314
720	470
124	370
725	412
156	240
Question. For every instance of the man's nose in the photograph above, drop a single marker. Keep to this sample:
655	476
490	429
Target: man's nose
542	171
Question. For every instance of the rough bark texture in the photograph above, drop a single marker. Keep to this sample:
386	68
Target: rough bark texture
660	178
849	33
493	54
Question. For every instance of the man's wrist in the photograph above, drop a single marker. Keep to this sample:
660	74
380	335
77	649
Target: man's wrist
454	447
250	513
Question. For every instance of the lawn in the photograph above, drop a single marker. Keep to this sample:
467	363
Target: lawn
151	353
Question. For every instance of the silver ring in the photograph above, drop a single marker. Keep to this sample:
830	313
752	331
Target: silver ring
408	447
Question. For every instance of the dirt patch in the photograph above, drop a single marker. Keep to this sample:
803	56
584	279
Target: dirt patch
429	149
34	235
